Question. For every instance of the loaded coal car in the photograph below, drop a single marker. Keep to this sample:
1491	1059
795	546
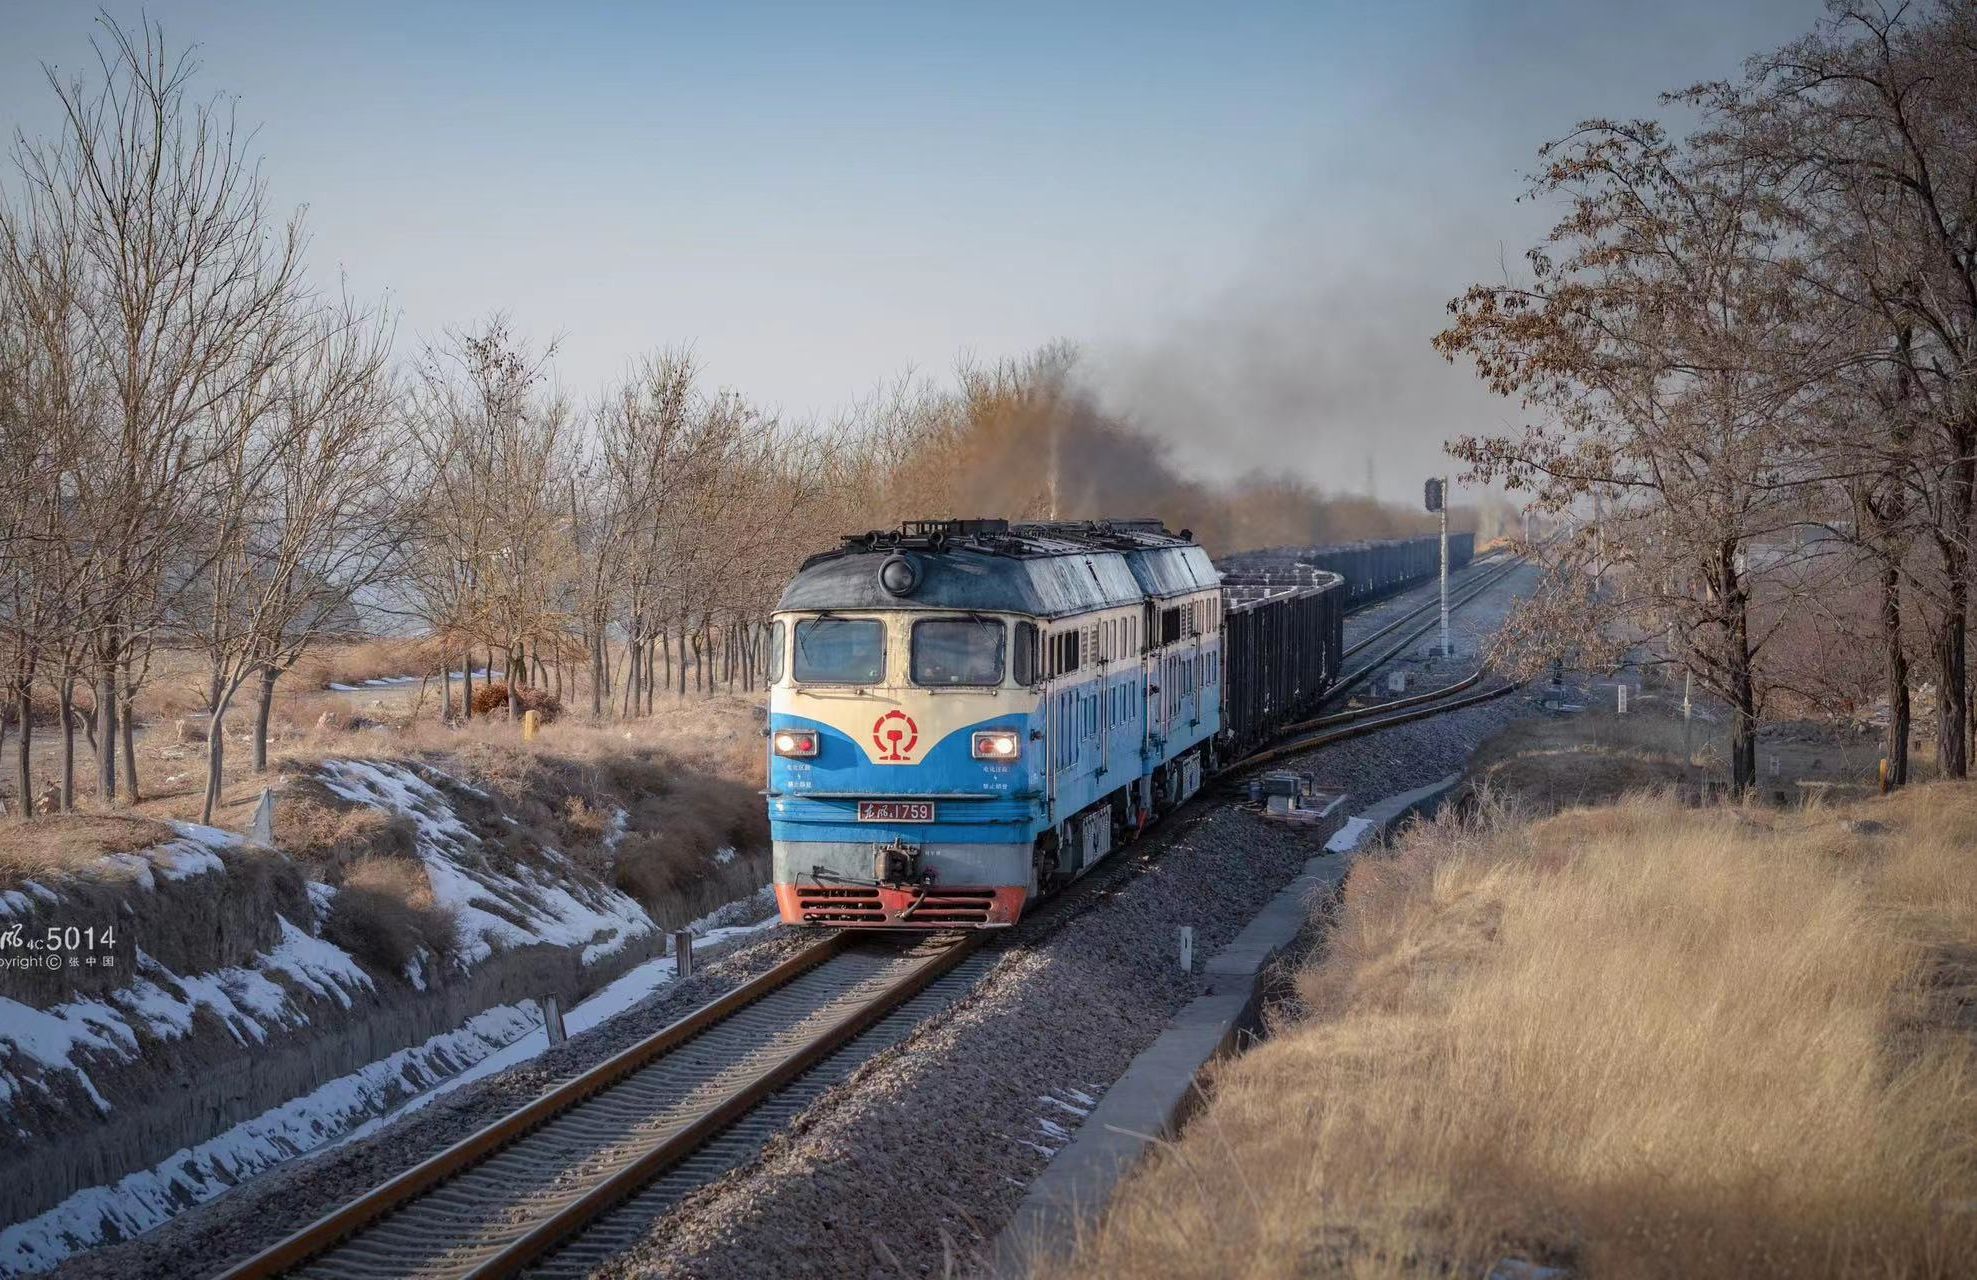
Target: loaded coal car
965	714
1371	570
1283	638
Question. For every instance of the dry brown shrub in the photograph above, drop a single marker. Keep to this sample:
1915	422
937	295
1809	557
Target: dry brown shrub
1643	1041
583	820
384	914
490	698
317	827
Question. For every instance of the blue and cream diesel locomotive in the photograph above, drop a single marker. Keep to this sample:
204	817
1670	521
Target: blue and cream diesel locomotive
964	714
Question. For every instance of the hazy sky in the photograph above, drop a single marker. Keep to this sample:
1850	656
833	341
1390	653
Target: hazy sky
1248	215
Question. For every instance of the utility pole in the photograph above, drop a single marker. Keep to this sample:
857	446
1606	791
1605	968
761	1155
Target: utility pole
1446	651
1435	496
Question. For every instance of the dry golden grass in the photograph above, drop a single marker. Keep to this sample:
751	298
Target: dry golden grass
320	828
365	660
1638	1041
66	844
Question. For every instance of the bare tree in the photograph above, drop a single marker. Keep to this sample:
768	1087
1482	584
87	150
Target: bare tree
487	440
1868	128
304	516
1668	362
182	272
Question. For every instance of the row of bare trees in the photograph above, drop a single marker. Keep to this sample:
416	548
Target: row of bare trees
213	462
1750	355
186	426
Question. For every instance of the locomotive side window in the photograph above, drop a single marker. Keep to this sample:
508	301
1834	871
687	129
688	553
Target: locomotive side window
840	651
1026	653
775	652
957	651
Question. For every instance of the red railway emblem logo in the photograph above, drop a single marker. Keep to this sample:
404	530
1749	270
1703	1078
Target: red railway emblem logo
895	735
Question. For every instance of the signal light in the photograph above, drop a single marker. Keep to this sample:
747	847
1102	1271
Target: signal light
796	743
997	744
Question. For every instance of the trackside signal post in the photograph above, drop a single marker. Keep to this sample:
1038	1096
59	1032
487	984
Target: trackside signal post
1436	498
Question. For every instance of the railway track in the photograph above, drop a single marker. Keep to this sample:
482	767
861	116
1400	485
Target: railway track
1323	731
560	1185
509	1195
1351	677
1460	580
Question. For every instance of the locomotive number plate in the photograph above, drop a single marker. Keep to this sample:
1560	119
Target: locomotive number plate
895	811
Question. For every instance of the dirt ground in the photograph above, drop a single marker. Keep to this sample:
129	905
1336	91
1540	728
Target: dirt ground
1650	747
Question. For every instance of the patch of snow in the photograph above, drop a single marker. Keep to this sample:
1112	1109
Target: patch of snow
724	855
1348	836
196	852
38	1047
614	830
496	909
321	968
190	1176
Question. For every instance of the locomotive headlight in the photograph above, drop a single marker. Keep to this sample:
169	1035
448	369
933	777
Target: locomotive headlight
796	742
997	744
899	575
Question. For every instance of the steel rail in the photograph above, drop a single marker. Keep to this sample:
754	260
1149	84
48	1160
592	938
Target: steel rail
1364	723
1490	571
573	1217
349	1218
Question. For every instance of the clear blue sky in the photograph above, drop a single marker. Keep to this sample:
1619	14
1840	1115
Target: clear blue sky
1249	215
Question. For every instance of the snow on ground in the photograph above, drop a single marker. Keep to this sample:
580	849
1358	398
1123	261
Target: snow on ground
342	1110
40	1048
398	682
496	908
190	1176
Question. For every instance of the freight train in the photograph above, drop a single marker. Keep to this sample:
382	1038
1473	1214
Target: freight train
967	714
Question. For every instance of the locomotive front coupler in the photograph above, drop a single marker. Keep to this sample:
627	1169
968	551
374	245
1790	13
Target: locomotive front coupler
897	865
